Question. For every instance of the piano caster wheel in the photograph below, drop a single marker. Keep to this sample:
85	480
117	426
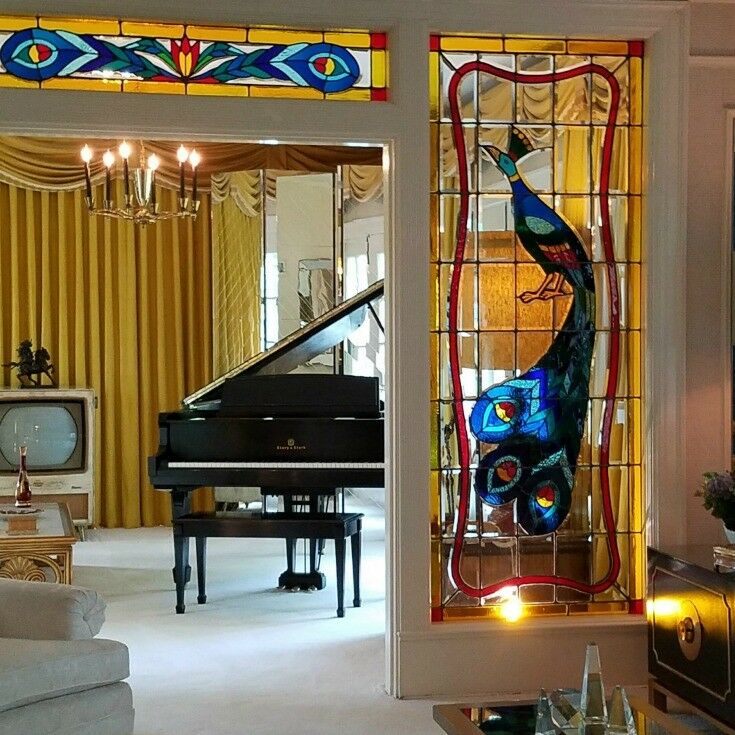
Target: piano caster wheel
202	599
180	609
340	613
312	588
293	589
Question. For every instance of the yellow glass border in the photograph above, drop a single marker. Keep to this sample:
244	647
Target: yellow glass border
83	84
18	22
99	27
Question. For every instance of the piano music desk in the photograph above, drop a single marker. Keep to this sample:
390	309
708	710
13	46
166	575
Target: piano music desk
335	526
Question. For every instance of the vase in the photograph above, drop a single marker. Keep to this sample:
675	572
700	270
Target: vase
729	534
23	488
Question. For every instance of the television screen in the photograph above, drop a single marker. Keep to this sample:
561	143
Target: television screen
52	431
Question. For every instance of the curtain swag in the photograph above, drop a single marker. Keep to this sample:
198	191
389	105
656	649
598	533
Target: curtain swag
53	164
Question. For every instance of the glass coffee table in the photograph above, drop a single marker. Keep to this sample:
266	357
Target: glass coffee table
36	546
519	718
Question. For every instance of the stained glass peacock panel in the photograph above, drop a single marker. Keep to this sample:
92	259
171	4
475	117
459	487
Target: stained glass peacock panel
537	489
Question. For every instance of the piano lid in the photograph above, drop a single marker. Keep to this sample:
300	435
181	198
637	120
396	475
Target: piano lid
311	340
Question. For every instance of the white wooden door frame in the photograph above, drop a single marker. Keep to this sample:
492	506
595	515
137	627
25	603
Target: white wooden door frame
421	658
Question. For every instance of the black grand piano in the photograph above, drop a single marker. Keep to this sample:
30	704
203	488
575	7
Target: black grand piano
293	435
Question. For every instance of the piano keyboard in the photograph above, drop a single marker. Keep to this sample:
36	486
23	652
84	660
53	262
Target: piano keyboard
278	465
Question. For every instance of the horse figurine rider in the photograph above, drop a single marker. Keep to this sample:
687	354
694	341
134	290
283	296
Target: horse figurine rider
30	364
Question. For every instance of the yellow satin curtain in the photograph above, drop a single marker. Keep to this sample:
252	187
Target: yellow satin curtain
123	309
237	231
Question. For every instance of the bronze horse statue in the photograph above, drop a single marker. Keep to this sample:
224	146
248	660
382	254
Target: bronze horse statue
30	364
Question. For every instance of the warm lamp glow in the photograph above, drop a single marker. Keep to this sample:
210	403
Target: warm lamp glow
663	606
182	154
153	162
194	158
108	158
86	154
125	150
512	609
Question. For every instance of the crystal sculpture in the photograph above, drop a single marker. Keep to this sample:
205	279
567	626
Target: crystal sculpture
571	712
564	712
620	717
544	723
593	706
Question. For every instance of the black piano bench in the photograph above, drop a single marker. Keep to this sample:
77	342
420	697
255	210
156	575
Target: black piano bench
336	526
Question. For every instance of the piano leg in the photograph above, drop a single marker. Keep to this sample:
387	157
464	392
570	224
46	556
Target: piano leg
284	579
201	544
313	548
339	551
356	543
180	505
181	553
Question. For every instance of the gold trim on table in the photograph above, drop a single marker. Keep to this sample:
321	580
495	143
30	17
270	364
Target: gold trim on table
33	556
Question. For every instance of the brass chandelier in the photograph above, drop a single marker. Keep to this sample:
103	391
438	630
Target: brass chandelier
141	206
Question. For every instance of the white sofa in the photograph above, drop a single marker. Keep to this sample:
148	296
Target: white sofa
55	677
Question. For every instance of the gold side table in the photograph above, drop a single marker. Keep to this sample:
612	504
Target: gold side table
37	547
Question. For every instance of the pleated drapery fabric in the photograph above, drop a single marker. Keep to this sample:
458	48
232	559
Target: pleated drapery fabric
359	183
123	309
54	163
237	257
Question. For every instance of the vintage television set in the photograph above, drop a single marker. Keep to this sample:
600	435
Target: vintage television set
57	426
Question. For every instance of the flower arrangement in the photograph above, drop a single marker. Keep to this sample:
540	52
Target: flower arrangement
718	492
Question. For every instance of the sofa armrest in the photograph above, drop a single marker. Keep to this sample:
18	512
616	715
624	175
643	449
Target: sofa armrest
45	611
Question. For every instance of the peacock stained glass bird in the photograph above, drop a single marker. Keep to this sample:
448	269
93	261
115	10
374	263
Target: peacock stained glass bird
536	420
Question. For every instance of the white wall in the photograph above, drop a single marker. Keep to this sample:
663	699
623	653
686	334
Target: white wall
448	659
712	94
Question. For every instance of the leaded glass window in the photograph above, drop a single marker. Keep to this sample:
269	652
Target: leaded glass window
111	55
536	483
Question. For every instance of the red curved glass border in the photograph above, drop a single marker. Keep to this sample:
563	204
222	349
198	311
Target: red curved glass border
463	440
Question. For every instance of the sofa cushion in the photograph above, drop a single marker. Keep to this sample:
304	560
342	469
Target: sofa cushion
49	611
106	710
34	670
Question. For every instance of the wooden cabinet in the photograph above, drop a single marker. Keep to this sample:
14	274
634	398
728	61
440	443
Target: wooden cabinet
690	628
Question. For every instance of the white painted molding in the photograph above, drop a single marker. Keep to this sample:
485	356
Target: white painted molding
535	626
664	338
715	60
423	658
726	255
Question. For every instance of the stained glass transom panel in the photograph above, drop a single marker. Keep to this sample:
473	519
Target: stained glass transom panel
536	483
123	56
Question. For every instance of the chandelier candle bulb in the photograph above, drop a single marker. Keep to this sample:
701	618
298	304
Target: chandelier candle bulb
124	150
153	163
183	155
108	159
86	158
194	160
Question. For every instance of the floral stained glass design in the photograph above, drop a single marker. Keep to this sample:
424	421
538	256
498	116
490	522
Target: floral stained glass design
537	491
111	55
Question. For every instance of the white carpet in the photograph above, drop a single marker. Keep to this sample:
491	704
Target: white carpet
253	660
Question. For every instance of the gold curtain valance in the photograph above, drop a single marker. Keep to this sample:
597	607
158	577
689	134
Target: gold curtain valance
360	183
53	164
